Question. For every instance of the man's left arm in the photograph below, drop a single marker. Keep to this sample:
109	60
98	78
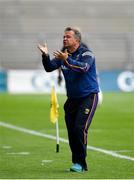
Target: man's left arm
87	59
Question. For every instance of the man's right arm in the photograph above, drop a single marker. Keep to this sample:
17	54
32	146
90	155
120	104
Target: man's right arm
47	63
50	65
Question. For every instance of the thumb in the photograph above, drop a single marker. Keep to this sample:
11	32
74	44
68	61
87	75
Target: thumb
66	51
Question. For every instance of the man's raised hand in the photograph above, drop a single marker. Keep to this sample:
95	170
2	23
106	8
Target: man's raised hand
43	48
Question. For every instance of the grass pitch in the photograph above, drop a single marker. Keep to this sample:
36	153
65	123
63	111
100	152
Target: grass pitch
28	156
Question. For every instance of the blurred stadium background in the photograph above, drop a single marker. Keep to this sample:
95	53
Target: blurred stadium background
107	27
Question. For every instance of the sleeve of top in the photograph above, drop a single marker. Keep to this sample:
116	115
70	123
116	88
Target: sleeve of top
87	59
50	65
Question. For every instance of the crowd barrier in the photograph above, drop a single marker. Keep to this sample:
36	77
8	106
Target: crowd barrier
38	81
3	81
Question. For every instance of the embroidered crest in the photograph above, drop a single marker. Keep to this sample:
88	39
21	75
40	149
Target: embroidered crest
87	111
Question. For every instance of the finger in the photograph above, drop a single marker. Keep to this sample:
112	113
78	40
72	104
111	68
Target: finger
45	44
59	52
56	53
56	56
66	52
39	47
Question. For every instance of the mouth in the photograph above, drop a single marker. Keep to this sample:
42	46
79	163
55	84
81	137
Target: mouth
65	43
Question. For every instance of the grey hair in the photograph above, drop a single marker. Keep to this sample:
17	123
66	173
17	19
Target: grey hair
77	33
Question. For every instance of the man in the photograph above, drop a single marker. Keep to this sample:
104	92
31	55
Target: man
78	66
59	78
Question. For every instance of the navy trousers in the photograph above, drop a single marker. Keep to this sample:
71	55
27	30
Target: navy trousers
78	116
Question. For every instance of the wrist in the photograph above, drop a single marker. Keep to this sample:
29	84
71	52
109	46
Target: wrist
44	54
65	59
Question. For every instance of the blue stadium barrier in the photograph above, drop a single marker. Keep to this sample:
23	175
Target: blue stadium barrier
3	81
110	81
117	80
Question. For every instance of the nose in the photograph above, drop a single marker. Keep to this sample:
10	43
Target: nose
64	38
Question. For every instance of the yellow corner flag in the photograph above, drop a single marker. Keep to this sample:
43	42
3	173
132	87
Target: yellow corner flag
54	106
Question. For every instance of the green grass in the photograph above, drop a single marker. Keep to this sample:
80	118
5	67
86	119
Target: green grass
112	129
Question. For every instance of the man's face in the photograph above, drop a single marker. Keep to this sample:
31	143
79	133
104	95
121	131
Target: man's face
69	40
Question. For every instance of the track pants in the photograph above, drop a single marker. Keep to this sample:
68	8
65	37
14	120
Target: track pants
78	116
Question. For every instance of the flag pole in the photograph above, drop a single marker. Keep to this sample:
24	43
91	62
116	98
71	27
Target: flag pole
54	115
57	137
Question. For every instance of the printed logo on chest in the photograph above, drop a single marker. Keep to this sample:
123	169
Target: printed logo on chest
64	67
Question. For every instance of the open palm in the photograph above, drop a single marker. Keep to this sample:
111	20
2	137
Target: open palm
43	48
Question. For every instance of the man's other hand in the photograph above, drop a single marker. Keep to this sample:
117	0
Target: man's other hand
61	55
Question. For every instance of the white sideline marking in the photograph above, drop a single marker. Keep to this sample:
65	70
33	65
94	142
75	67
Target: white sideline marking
47	161
125	150
43	162
18	153
6	147
28	131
